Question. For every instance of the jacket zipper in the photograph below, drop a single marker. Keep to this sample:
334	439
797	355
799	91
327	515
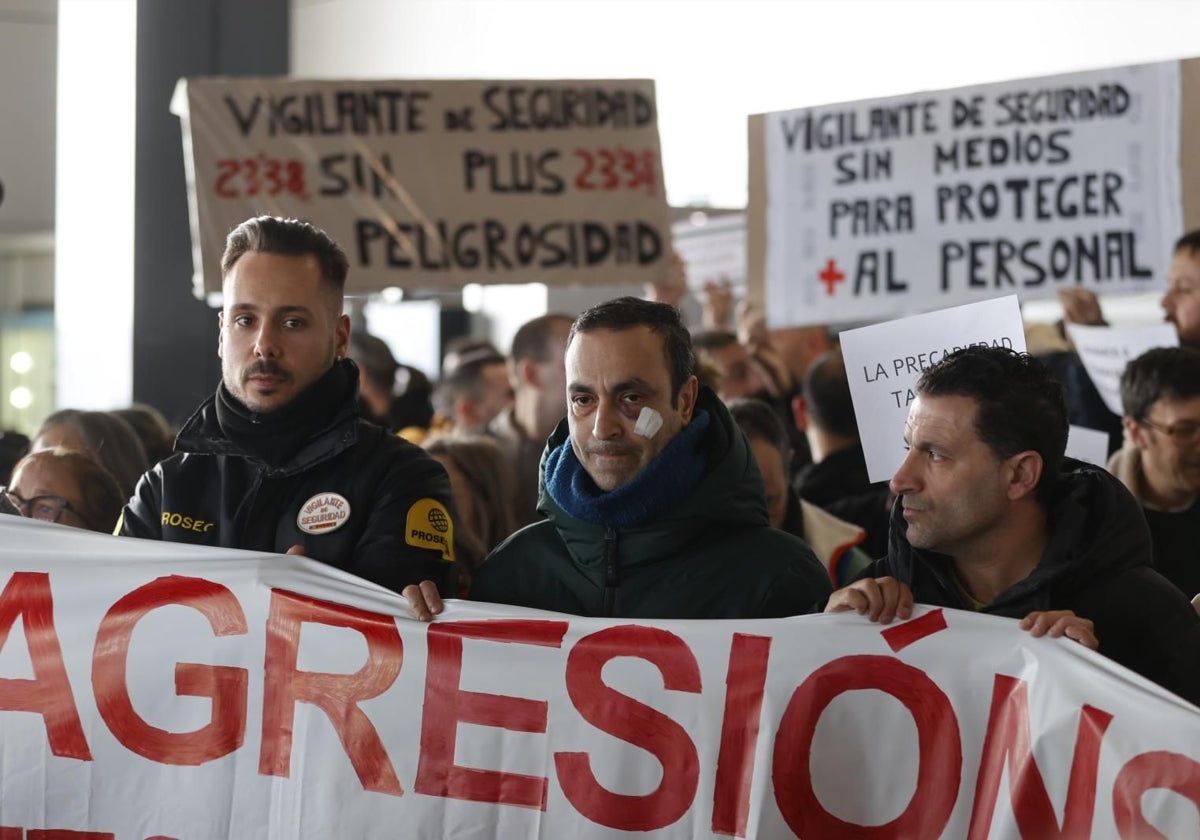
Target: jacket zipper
612	578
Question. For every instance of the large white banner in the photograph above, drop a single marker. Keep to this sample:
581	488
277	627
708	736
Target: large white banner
887	207
434	184
160	691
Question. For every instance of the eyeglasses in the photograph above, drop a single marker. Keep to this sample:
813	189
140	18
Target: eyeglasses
47	508
1185	431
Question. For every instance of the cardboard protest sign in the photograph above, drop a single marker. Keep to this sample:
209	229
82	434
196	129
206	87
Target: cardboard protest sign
435	183
884	362
713	251
879	208
1105	351
1087	445
160	690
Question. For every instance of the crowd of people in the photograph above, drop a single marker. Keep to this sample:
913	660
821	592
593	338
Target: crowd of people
623	463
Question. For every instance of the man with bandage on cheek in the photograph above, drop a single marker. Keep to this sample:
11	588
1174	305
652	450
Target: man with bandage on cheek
653	500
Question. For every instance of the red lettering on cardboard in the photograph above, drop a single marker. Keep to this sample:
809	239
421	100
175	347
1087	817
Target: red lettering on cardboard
939	762
337	695
224	685
447	705
636	724
27	596
744	684
1008	741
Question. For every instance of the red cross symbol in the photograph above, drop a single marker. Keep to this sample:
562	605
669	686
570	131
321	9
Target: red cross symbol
831	276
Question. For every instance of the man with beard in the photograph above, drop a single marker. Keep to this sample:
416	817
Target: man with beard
655	507
1160	462
278	459
991	517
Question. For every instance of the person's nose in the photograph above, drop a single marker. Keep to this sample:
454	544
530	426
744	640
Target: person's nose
266	341
607	423
906	479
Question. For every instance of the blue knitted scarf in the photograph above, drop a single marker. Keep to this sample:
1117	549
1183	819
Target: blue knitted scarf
669	477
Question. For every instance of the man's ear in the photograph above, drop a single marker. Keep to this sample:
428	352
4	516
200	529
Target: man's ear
800	413
341	346
527	373
1134	433
1025	471
687	398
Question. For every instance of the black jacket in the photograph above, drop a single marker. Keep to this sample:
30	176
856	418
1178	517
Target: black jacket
839	484
1097	563
354	496
711	555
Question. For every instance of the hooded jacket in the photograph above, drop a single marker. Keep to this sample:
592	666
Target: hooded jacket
354	496
712	554
1096	563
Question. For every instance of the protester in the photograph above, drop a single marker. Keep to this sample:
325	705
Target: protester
152	429
392	395
278	459
833	540
992	518
68	486
538	380
654	503
1181	303
740	376
109	439
13	447
473	394
1160	463
837	480
481	483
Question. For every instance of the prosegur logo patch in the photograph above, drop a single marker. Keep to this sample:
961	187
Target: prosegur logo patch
323	513
429	526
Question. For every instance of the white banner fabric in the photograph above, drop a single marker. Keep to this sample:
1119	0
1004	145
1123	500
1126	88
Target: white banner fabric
887	207
151	690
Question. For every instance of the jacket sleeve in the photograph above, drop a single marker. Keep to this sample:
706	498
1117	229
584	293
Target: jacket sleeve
142	516
409	535
803	589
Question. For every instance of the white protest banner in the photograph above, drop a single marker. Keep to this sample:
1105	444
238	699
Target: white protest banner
152	690
1087	445
1105	351
435	183
884	362
886	207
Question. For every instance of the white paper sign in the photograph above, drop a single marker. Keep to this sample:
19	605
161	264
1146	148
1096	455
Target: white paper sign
1087	445
1105	351
884	207
884	362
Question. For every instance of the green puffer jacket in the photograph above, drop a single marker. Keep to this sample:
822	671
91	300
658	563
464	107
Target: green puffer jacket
713	555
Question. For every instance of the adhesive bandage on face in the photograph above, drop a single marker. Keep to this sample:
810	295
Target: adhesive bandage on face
648	423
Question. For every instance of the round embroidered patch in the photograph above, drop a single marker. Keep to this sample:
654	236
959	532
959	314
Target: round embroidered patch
323	513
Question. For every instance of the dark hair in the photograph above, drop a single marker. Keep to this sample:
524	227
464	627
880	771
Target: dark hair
374	358
532	341
710	340
289	238
758	421
1020	404
152	429
827	396
624	313
466	381
487	469
1189	242
101	499
1171	373
109	439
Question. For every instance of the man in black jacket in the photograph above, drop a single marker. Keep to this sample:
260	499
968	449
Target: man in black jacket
278	459
991	518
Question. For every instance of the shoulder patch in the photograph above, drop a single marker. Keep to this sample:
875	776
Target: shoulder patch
323	513
428	525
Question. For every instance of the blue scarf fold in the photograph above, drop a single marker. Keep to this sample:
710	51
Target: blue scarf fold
672	475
